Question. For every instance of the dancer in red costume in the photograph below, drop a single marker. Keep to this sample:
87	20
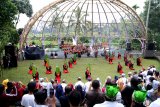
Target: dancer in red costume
119	68
35	73
106	56
130	65
110	59
74	59
70	63
65	68
139	61
119	55
48	67
125	56
45	59
58	74
88	72
30	69
113	56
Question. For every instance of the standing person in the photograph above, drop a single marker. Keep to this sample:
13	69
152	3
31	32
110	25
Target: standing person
111	93
65	54
138	99
75	59
29	99
79	82
74	98
58	74
119	68
64	99
94	96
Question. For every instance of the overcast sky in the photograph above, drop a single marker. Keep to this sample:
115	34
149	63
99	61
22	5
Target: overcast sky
39	4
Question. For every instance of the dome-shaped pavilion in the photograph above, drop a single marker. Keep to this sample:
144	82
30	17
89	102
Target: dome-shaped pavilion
91	18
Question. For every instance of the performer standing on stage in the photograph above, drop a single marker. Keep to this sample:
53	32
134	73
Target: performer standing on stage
88	72
119	68
70	63
130	65
119	55
58	74
65	67
35	73
139	61
30	69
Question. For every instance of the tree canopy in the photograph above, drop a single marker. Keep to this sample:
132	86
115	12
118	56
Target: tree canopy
154	22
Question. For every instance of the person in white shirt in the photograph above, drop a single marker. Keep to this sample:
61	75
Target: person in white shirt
111	93
88	84
79	82
155	103
63	84
28	99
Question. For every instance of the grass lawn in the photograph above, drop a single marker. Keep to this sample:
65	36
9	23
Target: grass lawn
100	68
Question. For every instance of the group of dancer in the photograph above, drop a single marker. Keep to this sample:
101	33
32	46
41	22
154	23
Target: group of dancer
111	56
72	61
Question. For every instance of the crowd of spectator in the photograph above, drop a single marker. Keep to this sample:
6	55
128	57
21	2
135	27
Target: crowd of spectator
138	89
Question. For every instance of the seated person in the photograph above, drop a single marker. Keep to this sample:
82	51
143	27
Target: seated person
30	69
88	73
139	61
119	68
74	59
130	65
65	68
70	63
48	70
110	60
58	74
119	55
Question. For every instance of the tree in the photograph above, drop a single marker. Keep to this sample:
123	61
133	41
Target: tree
24	7
153	23
7	29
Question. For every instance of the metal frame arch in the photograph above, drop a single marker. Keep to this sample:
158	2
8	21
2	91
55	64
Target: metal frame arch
32	21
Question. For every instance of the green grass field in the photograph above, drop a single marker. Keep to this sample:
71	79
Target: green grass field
100	68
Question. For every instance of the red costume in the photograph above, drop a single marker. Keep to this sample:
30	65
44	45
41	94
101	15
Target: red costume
119	68
88	73
35	76
119	55
65	68
106	57
70	63
58	74
139	61
48	70
110	60
130	65
30	70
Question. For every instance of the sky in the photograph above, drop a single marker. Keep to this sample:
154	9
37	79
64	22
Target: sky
39	4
